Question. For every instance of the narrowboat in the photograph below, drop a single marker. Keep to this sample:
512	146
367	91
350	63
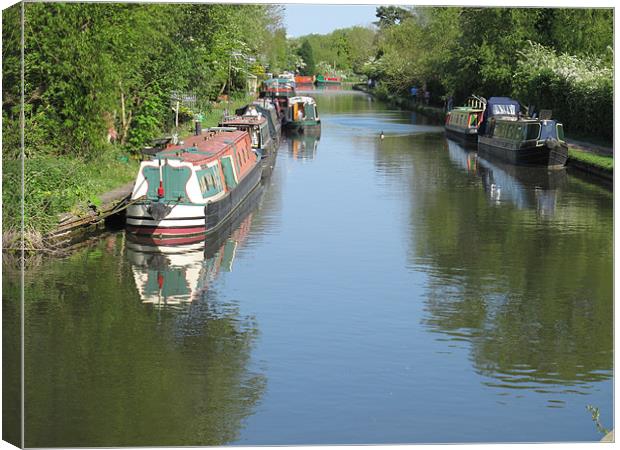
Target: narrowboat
462	123
257	126
279	92
191	188
304	79
287	77
328	79
268	109
509	135
302	114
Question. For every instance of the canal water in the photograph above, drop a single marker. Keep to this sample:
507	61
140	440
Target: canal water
401	290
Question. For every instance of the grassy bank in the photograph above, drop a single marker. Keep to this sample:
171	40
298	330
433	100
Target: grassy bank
605	163
55	185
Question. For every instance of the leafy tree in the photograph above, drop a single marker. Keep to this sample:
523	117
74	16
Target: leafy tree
306	53
391	15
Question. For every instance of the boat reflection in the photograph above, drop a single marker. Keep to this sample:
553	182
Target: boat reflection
177	275
524	187
329	87
304	145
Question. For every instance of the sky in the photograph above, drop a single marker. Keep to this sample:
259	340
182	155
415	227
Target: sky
322	19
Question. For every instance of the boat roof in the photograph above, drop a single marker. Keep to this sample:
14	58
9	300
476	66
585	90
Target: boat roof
278	81
246	119
466	109
302	99
502	101
265	103
204	147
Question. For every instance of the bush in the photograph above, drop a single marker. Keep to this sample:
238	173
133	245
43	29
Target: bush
579	90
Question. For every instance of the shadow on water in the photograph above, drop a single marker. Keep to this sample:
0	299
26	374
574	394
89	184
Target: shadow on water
156	357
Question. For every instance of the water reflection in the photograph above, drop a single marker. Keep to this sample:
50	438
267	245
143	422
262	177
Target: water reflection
304	145
531	298
525	187
169	276
104	370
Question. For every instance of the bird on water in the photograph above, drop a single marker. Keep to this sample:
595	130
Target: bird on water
381	135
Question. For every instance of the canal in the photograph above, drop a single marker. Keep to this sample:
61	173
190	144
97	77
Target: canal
396	290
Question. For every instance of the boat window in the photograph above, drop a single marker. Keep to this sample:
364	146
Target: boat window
506	110
532	131
548	129
518	132
560	129
499	129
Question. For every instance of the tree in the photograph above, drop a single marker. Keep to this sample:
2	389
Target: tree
306	53
391	15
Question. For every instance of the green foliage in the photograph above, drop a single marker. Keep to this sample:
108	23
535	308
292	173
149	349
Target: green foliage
602	162
348	49
580	90
391	15
95	70
459	51
596	418
57	184
307	55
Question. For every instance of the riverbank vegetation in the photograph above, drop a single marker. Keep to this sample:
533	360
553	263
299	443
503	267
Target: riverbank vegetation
553	58
101	81
343	52
590	159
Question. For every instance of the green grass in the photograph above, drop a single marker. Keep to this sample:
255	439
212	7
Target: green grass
59	184
602	162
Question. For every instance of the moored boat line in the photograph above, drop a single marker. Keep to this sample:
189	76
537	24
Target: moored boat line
502	131
186	190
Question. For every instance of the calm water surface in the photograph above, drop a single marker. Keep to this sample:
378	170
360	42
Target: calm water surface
374	291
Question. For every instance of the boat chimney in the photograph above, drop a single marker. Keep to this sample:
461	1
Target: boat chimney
197	128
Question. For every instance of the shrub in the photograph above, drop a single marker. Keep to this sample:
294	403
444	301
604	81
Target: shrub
579	90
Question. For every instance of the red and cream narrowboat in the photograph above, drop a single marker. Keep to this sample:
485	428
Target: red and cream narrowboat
190	189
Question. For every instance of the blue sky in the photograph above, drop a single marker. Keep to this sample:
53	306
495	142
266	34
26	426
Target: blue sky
322	19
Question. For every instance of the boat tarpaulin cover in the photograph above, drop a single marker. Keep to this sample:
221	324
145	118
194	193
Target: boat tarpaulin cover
503	106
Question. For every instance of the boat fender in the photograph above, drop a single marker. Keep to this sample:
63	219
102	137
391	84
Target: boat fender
551	143
158	210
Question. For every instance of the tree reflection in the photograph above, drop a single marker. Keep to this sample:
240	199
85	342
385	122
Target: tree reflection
527	283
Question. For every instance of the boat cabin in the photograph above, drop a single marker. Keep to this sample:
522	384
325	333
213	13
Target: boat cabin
254	123
269	110
198	169
303	110
526	130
